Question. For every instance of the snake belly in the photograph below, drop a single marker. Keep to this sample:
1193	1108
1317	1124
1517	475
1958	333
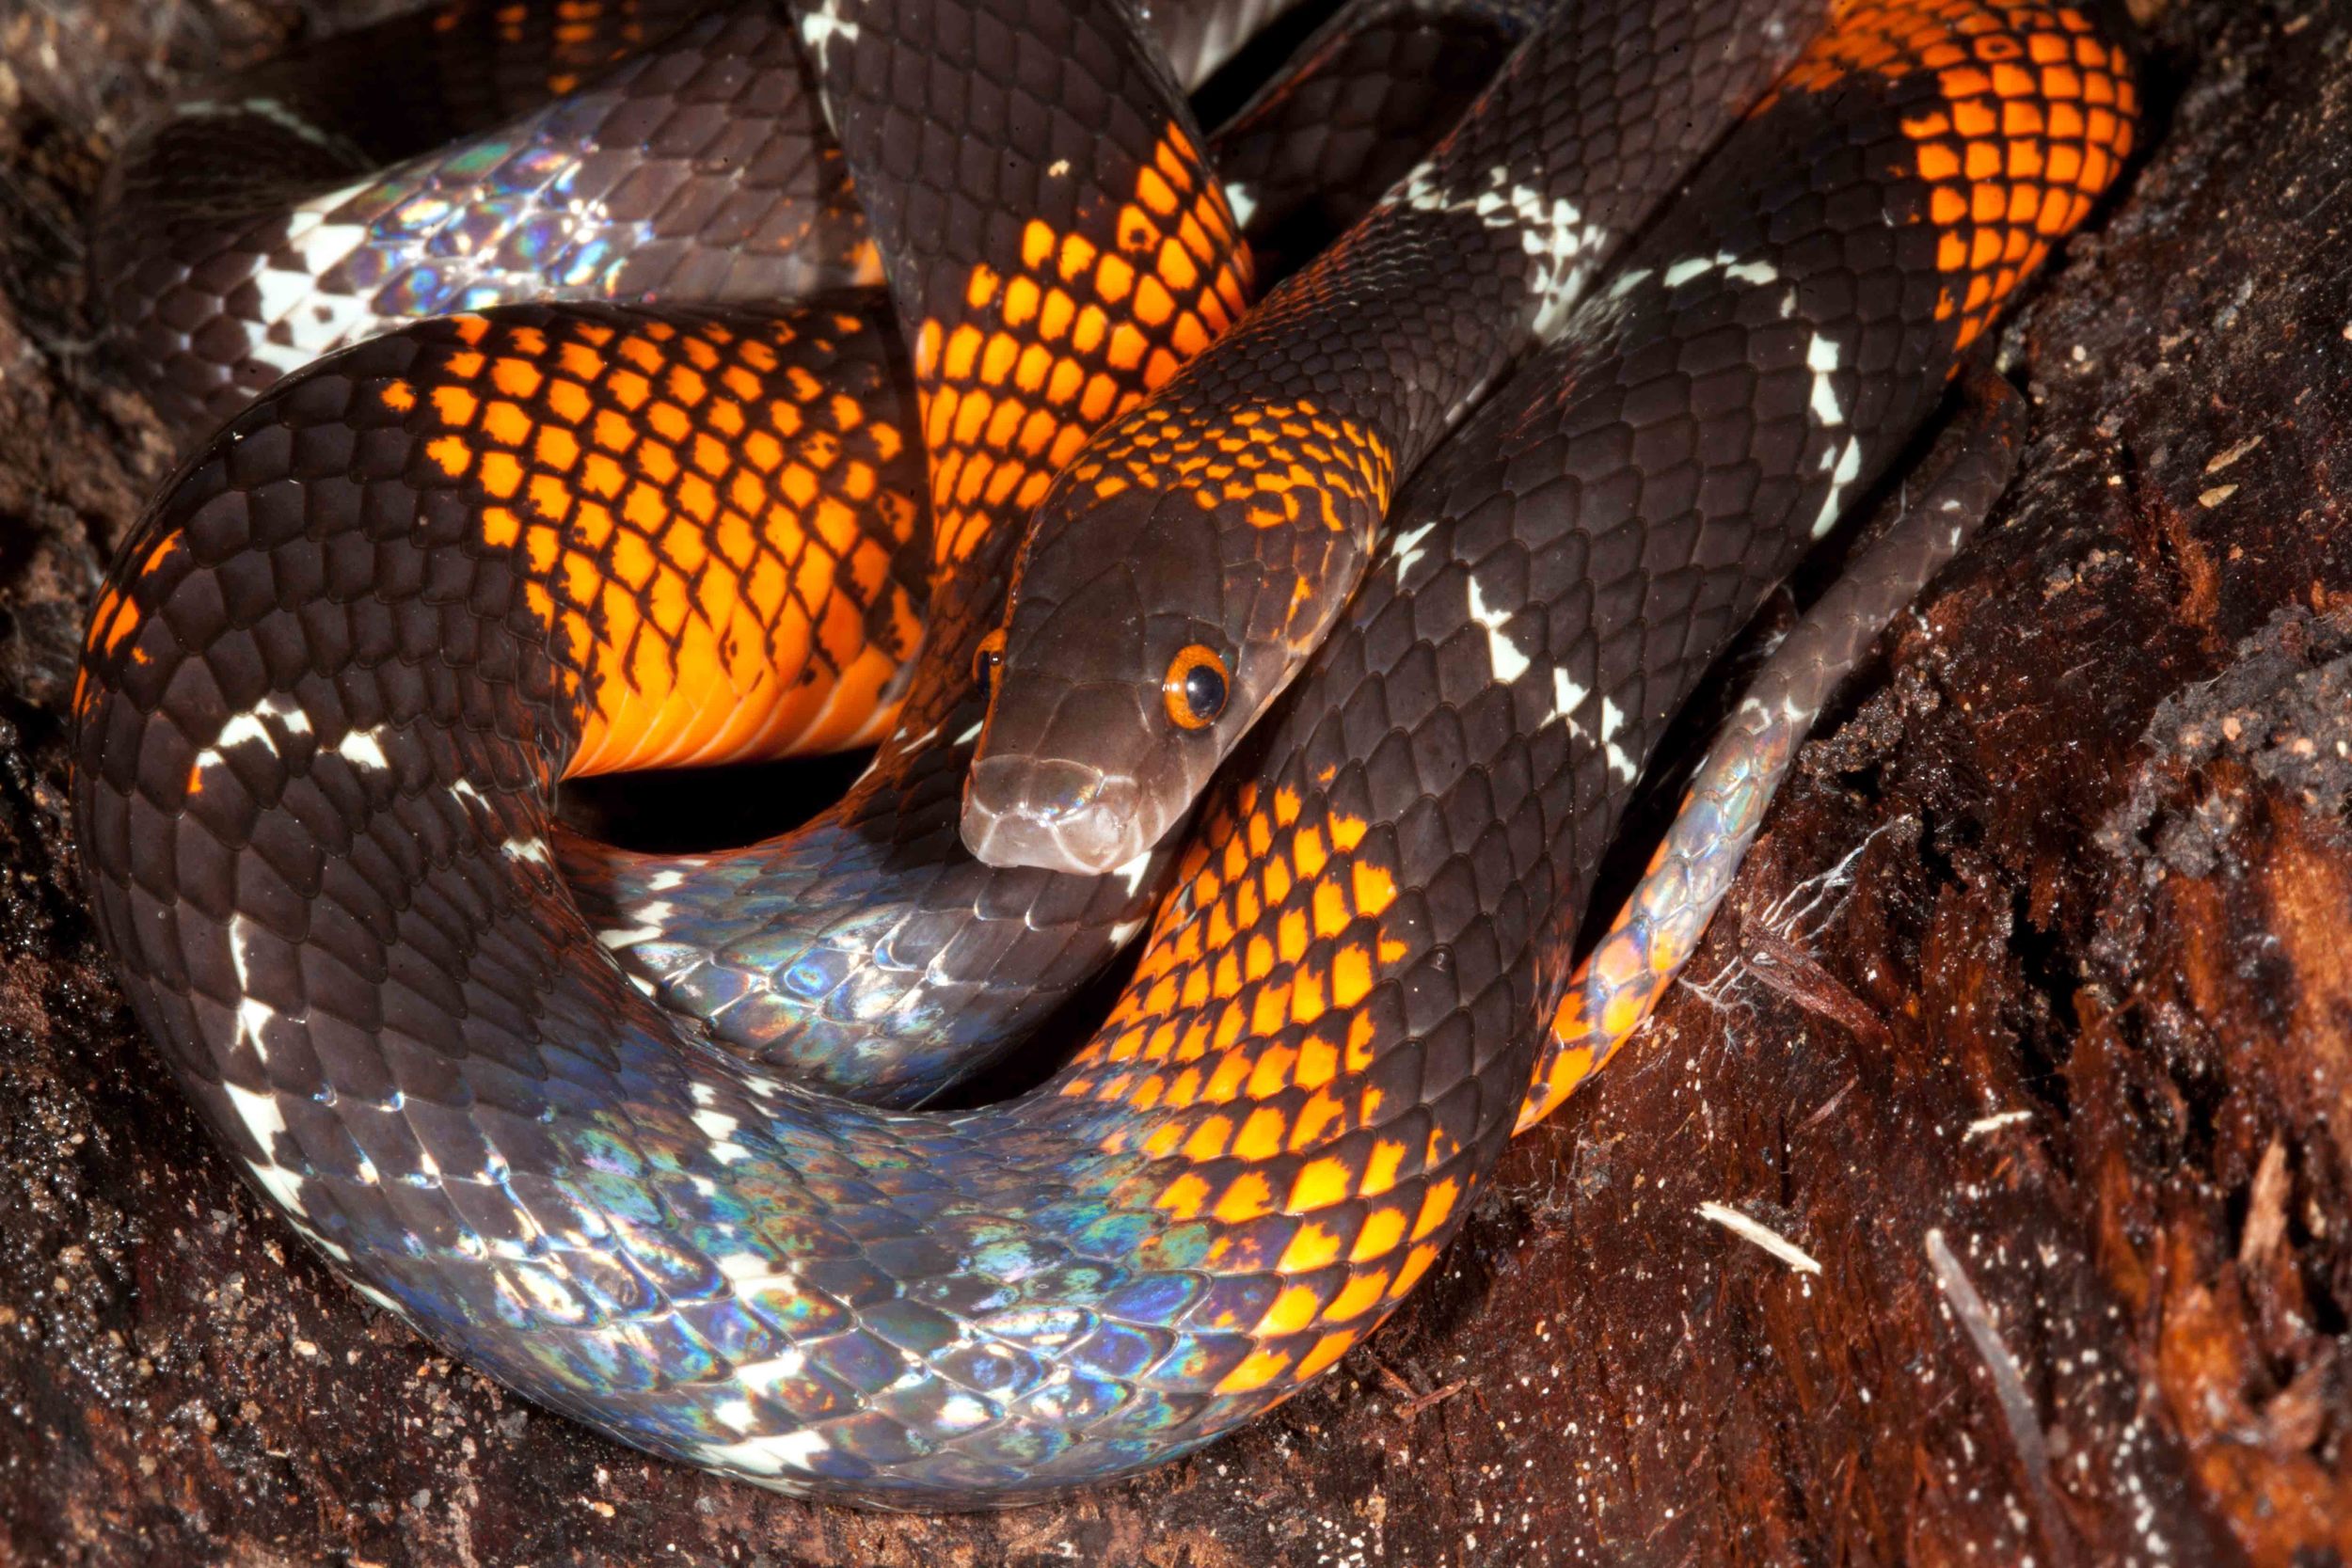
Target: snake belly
323	711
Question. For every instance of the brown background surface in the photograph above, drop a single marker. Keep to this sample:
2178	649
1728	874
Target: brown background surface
2031	1022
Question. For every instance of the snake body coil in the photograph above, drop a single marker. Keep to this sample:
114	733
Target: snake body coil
340	666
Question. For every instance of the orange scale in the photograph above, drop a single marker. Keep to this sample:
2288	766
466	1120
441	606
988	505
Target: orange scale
972	414
1004	422
668	605
1249	1197
501	474
694	493
657	461
1416	1264
541	546
1270	1009
1208	1139
1008	477
550	498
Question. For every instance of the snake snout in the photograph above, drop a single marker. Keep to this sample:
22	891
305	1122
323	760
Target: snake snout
1051	815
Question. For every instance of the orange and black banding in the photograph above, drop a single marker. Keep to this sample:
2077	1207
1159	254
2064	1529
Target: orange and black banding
2031	117
1035	356
350	948
717	521
1256	483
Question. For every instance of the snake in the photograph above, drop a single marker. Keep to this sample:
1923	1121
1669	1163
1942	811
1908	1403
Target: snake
340	666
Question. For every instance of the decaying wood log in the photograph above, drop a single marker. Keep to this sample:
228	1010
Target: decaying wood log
1981	1200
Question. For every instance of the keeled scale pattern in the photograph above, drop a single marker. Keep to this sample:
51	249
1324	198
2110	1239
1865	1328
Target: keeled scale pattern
379	1004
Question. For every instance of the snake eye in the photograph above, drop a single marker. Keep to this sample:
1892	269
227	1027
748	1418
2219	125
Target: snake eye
985	659
1196	687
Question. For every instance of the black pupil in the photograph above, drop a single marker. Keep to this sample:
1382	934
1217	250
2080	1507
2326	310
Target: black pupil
1205	692
985	668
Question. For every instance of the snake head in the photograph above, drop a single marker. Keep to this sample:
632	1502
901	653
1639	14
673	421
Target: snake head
1150	624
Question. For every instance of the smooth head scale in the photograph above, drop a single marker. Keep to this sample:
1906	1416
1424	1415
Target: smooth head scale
1172	585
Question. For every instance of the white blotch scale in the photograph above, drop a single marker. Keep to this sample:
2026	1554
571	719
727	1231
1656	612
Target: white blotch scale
379	1298
628	936
362	748
1843	459
302	317
1551	231
260	1114
252	1012
1679	273
971	734
1131	872
1124	932
720	1128
1243	201
768	1456
820	27
662	882
1405	548
529	848
341	1255
1503	655
283	1186
1612	720
260	725
1567	697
